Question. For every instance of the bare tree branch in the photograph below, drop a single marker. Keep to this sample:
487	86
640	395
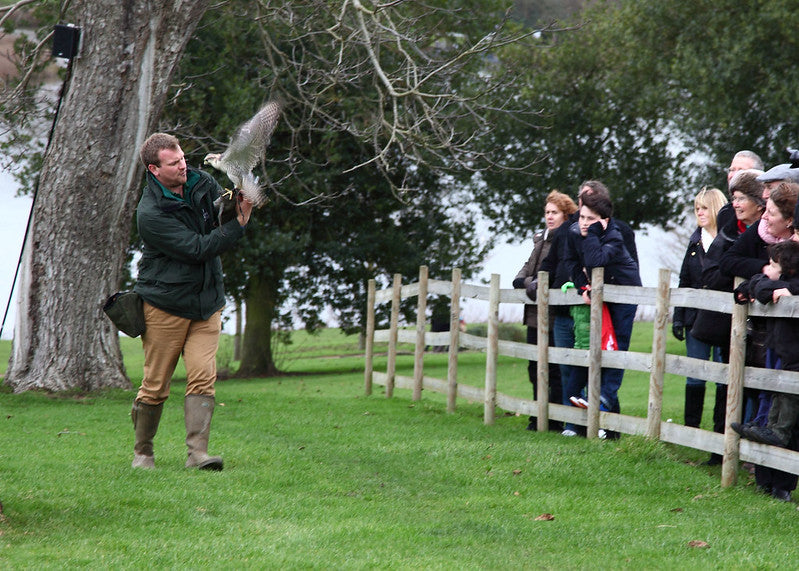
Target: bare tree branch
434	94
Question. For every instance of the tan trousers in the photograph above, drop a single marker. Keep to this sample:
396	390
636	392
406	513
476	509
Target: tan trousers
166	338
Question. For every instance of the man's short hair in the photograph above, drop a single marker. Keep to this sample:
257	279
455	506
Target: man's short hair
153	145
752	156
599	203
596	187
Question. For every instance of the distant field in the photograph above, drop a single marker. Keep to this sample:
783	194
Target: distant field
310	353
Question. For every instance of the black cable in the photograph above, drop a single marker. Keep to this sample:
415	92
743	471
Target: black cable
61	94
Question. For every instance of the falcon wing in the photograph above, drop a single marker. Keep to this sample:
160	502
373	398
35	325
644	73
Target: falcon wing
248	145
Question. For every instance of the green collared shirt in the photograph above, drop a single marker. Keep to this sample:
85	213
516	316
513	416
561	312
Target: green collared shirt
191	179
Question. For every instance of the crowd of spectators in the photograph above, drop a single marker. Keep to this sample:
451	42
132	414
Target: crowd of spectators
752	232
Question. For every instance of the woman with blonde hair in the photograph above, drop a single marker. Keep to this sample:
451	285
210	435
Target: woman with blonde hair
707	204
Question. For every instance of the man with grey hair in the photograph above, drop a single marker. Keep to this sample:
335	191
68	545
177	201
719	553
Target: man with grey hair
744	160
741	161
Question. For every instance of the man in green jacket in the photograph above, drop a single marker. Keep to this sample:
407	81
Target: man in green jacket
180	283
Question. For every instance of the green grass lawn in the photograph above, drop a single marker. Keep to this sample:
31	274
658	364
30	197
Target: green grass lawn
317	475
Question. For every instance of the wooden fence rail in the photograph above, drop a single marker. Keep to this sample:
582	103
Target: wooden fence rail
657	363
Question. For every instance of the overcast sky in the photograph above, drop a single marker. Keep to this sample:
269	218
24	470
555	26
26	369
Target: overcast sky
508	258
13	219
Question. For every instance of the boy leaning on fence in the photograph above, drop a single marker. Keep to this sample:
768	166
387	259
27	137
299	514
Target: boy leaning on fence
780	279
597	241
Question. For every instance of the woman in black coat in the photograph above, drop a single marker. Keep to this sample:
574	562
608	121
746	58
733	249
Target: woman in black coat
706	206
713	327
748	258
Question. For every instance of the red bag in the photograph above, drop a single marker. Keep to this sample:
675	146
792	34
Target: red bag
608	333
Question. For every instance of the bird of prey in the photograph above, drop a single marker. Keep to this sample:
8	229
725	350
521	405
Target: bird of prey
246	149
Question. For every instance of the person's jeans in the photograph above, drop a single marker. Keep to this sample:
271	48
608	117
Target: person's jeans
622	315
700	350
563	332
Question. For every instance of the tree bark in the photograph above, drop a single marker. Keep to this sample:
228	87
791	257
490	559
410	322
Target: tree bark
88	189
256	358
237	334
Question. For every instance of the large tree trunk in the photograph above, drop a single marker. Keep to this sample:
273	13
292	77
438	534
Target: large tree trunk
88	189
256	357
237	334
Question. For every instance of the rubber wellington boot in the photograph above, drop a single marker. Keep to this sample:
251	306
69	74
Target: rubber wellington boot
145	424
198	410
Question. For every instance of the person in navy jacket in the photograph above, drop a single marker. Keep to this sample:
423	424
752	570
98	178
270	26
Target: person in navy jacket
596	240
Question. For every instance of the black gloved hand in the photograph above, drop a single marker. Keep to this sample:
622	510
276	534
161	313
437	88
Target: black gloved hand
678	330
596	229
741	293
518	283
532	290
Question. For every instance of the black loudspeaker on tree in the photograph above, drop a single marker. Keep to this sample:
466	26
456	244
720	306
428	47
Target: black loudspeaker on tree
66	40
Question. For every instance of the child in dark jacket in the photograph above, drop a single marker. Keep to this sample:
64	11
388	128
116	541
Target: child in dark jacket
595	240
780	278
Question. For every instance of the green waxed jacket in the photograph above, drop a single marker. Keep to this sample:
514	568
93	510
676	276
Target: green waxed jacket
180	271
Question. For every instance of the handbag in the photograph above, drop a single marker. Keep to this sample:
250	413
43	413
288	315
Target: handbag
609	342
712	327
126	311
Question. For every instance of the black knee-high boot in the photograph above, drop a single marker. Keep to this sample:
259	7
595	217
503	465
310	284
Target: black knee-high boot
694	404
719	415
720	409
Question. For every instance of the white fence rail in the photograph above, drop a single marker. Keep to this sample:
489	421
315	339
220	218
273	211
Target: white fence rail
657	363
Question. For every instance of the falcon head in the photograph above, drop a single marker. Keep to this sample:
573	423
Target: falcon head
213	159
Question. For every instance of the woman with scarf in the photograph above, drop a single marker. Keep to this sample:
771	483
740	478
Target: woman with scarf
747	258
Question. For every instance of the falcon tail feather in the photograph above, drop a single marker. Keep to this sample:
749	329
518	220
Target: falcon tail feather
252	190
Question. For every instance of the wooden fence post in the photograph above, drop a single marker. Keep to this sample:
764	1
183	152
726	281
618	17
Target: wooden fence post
421	324
729	467
492	350
658	367
391	368
370	338
542	367
454	339
595	351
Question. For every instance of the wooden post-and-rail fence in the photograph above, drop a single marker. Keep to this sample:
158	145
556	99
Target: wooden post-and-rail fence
658	363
